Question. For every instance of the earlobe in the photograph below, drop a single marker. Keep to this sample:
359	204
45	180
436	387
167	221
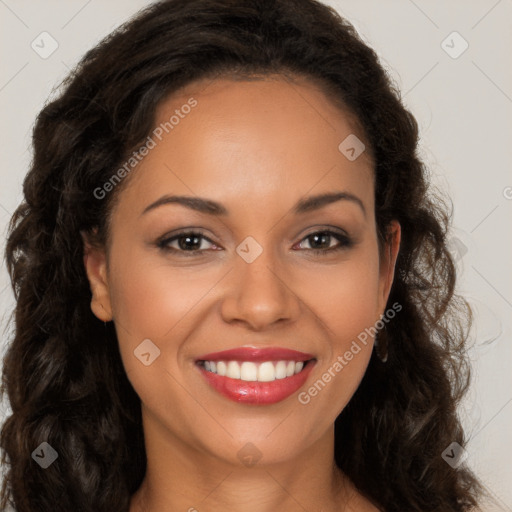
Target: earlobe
388	261
95	264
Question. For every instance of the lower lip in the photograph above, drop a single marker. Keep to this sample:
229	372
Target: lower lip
254	392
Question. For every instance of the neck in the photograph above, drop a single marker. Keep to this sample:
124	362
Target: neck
180	477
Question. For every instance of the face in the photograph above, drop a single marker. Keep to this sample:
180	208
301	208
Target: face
252	263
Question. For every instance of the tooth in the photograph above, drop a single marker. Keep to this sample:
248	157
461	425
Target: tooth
233	370
221	368
266	372
249	371
281	370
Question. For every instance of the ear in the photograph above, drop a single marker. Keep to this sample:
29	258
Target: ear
387	262
95	263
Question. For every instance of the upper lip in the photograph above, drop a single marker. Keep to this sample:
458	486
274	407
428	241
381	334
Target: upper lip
257	355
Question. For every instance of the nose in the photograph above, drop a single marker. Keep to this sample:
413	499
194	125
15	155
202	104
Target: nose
260	294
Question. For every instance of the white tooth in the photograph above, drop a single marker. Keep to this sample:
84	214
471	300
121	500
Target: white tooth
266	372
281	370
233	370
221	368
249	371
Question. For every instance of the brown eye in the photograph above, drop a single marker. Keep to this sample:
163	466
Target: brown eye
187	242
321	241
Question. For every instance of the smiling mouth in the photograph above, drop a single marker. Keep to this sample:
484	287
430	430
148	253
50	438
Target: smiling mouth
256	375
250	371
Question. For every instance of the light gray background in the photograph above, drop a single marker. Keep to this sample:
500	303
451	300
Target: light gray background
464	109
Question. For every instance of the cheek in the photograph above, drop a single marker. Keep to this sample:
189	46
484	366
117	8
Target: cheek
344	296
345	300
149	294
152	300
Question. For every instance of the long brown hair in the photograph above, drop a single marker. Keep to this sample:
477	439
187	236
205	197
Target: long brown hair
63	373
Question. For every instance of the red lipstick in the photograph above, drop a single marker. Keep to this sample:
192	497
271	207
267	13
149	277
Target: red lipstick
257	355
255	391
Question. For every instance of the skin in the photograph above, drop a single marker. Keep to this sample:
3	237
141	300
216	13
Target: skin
256	147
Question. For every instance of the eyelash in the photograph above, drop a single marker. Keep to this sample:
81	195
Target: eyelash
344	242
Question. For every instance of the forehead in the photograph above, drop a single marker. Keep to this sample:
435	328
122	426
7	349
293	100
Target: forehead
244	140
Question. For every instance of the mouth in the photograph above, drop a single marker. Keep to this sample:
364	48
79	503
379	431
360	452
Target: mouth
256	376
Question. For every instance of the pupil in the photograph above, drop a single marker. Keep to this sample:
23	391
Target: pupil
323	236
183	241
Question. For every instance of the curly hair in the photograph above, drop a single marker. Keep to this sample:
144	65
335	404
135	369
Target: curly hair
63	372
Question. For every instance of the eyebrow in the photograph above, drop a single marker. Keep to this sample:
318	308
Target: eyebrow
210	207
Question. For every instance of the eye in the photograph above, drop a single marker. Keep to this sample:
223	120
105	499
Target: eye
321	241
190	242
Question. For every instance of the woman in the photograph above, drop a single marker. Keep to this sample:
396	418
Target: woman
233	286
